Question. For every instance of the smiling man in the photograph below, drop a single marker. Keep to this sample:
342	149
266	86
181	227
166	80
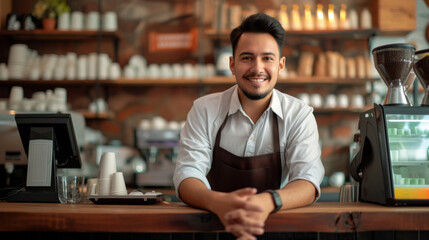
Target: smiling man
251	150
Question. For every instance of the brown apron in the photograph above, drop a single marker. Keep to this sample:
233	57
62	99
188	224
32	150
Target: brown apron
230	172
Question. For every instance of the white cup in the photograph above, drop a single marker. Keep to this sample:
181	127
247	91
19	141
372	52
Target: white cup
81	67
358	101
64	21
118	186
110	21
115	71
330	101
103	186
26	105
188	70
40	106
129	72
34	73
92	20
177	70
145	124
166	71
138	61
61	94
158	123
304	97
91	186
16	94
4	72
3	105
140	72
76	20
71	71
210	70
92	66
18	54
103	66
60	72
337	179
153	71
107	165
316	100
343	101
200	70
16	71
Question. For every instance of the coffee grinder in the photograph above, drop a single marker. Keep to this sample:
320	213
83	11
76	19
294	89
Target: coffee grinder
393	156
394	63
421	68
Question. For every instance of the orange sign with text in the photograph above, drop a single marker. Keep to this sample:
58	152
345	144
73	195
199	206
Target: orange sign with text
173	41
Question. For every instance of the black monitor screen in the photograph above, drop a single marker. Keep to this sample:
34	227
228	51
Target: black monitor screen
66	149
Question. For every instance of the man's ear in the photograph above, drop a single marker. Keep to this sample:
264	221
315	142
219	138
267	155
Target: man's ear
282	63
232	65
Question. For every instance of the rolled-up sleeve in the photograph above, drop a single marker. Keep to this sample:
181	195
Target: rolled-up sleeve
303	151
195	154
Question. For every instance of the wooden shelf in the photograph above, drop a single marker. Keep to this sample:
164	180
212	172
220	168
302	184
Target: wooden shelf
57	35
343	34
182	81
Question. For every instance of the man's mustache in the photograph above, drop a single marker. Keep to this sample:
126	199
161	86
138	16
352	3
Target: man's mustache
257	76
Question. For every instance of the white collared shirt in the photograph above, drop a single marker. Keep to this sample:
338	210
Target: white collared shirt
300	150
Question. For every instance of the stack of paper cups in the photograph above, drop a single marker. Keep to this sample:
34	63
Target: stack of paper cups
18	55
118	186
107	169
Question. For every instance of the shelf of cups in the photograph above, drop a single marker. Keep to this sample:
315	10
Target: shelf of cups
65	83
342	33
184	81
231	80
57	34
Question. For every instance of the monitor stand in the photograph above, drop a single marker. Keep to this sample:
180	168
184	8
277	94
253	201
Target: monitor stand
41	172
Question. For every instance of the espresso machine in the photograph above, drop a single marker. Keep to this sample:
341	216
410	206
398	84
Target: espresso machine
158	149
392	162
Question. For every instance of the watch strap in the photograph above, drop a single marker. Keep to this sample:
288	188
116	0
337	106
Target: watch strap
276	199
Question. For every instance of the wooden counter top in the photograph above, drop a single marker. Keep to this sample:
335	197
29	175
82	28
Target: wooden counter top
177	217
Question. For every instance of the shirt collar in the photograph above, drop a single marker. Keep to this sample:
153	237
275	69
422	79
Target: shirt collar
275	105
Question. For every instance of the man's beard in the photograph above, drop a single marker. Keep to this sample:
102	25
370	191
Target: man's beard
255	96
252	96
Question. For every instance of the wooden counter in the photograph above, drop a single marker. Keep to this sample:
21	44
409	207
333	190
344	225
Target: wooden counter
176	217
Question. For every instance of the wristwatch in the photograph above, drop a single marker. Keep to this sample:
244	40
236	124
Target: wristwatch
277	200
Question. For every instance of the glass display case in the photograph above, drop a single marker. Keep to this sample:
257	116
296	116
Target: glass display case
392	165
408	139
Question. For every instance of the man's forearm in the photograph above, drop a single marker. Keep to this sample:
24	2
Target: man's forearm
195	193
298	193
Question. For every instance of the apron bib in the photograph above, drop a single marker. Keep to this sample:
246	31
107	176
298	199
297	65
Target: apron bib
230	172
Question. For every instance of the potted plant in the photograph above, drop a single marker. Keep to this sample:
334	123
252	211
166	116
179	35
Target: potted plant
48	10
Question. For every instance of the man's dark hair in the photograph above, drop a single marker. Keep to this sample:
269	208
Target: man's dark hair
259	23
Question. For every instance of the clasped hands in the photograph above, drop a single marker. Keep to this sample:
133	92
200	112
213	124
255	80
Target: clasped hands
243	212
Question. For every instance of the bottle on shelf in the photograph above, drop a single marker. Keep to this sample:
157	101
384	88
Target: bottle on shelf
344	17
308	18
296	18
283	17
320	21
332	18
